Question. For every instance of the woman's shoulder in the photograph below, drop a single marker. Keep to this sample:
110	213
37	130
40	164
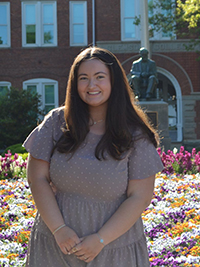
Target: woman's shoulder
54	118
56	114
137	133
139	137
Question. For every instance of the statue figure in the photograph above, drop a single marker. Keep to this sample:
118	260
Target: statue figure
144	75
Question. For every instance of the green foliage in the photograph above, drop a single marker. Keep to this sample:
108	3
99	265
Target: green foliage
19	115
190	11
18	148
181	18
24	156
161	16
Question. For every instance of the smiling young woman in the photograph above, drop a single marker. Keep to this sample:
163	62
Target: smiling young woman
94	84
91	168
94	88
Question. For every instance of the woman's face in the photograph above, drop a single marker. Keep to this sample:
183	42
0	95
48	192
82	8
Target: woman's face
94	83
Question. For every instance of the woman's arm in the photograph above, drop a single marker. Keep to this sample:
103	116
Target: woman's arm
39	181
139	195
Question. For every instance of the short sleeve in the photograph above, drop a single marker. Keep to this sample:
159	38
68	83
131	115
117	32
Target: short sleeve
144	160
42	139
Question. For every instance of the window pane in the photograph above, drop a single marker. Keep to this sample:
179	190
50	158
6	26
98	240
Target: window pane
167	34
48	34
78	13
49	94
3	90
32	88
129	8
3	14
78	34
48	108
30	14
47	14
3	35
30	34
129	28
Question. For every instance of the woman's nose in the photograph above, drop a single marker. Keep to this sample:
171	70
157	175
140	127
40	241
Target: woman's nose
92	83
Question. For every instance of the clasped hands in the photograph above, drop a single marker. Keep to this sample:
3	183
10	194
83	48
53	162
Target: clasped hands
85	248
144	74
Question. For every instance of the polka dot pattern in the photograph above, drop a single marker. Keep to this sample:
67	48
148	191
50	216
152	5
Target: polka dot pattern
89	191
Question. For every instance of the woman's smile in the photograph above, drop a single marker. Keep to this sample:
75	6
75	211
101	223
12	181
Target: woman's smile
93	93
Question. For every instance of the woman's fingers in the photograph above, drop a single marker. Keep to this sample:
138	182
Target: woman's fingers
66	239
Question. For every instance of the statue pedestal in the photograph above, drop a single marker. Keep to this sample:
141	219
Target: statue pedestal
158	114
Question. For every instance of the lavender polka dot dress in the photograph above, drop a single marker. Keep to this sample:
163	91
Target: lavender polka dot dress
89	191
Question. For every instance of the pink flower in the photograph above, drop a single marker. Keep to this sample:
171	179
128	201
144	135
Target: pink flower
193	152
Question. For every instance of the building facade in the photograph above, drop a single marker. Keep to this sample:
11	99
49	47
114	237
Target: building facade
40	39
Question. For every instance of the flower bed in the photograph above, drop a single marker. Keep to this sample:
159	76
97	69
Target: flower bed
17	215
182	162
172	221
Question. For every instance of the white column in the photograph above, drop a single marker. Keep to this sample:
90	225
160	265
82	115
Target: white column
145	25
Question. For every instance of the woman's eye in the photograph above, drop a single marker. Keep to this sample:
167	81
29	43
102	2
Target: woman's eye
100	77
82	78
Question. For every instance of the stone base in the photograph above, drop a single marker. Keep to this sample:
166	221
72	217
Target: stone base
159	112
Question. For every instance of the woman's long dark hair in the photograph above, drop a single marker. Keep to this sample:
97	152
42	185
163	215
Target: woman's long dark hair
124	116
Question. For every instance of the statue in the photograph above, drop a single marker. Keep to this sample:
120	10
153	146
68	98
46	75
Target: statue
144	75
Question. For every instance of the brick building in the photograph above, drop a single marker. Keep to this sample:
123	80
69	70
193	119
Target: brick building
39	40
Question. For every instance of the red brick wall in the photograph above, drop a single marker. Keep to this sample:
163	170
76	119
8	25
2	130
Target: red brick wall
189	62
108	20
18	64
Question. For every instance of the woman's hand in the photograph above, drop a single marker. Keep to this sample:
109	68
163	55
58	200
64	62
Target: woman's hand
66	239
88	249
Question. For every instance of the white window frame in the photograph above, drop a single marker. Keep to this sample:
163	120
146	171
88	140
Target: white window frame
137	28
4	83
71	23
40	83
137	8
39	23
7	4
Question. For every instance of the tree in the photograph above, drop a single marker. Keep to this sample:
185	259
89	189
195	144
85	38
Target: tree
180	18
190	11
19	115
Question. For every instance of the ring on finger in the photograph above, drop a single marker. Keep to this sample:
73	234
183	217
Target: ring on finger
74	249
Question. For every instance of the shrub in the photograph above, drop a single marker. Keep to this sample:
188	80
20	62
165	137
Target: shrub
18	148
19	115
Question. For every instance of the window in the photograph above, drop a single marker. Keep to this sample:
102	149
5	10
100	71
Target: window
47	89
78	23
39	23
158	35
4	24
4	87
129	9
